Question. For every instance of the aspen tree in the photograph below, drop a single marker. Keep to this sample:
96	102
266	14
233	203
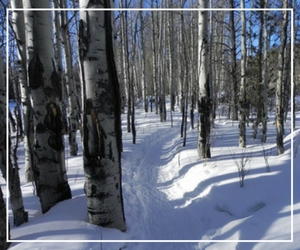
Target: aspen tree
3	243
242	98
19	30
49	158
233	69
280	81
74	112
101	117
265	74
204	98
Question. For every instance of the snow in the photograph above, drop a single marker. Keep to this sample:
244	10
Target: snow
169	194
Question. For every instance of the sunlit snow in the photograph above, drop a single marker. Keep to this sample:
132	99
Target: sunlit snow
169	194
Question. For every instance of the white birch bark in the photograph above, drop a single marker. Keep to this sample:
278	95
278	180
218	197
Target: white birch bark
49	159
204	98
101	118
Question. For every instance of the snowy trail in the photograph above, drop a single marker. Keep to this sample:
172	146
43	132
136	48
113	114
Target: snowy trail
141	184
159	167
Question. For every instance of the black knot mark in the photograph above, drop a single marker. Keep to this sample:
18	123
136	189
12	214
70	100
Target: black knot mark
40	128
56	143
35	70
53	123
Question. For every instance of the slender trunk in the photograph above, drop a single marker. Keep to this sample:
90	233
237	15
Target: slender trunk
125	61
58	56
154	58
143	57
171	47
74	109
233	70
294	67
212	111
260	86
3	148
186	82
204	99
280	82
182	72
101	118
265	75
3	243
19	29
161	66
16	199
242	100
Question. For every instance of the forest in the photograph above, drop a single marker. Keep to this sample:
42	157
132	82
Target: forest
132	121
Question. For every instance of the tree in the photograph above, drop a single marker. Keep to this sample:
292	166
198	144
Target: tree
49	159
233	70
204	98
101	117
19	31
74	111
143	58
3	244
265	74
3	149
242	98
281	81
16	199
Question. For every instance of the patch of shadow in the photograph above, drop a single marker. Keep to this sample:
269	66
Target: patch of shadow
256	207
223	209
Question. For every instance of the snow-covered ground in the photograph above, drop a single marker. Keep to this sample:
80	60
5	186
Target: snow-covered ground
169	194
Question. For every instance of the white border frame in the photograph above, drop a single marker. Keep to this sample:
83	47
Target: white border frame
153	9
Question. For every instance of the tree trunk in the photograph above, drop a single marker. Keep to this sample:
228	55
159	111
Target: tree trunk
171	47
204	99
154	57
242	100
160	66
265	75
3	243
74	109
101	118
233	69
260	86
16	199
280	82
3	149
58	59
49	159
19	29
143	58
